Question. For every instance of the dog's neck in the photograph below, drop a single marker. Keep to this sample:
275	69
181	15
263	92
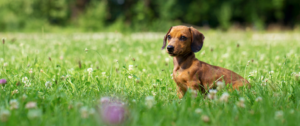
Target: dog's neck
184	61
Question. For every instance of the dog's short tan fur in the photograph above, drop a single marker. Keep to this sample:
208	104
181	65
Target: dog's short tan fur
182	42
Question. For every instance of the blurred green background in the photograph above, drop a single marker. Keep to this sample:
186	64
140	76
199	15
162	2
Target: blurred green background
145	15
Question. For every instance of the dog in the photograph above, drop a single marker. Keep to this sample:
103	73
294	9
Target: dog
182	44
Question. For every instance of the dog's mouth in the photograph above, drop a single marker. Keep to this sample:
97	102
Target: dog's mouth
171	54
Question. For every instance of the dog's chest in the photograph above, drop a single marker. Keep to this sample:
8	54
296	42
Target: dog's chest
180	76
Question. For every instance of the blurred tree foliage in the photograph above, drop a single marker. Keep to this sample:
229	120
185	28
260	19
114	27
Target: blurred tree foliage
145	15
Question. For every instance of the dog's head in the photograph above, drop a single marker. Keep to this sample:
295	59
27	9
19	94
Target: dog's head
183	40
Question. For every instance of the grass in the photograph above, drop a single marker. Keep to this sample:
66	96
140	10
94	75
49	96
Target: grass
64	59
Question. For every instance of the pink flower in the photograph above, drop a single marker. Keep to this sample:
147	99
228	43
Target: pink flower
113	112
31	105
3	82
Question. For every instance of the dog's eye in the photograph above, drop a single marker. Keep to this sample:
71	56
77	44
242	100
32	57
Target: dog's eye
183	38
169	37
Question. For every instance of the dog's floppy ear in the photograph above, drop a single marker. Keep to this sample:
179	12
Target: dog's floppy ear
197	40
165	39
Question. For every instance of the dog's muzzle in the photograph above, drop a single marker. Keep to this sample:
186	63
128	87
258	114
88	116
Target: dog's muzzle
170	48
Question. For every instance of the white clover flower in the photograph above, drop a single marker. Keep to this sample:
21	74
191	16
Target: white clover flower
253	73
297	76
133	100
130	77
86	50
194	93
113	49
203	52
24	97
224	97
130	67
212	94
5	64
271	72
241	99
30	105
167	59
15	92
30	71
90	70
27	85
71	71
61	57
42	71
264	82
248	63
198	110
25	80
63	77
84	112
262	57
278	114
34	113
103	73
205	118
295	73
258	99
48	84
144	70
226	55
153	93
213	91
244	53
104	100
4	115
68	76
220	85
14	104
241	102
149	101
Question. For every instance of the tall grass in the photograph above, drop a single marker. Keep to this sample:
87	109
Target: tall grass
132	67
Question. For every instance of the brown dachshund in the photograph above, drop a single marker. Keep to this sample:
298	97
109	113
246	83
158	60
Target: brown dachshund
188	71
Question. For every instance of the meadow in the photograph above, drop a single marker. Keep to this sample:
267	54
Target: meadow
62	79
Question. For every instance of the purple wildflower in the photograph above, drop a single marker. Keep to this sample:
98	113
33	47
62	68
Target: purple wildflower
3	81
113	112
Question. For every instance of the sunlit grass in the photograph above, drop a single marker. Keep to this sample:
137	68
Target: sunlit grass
58	79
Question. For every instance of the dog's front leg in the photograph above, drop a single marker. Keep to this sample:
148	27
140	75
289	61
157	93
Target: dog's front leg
195	86
180	91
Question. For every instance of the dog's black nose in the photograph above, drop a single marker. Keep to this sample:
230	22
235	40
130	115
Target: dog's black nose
170	48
